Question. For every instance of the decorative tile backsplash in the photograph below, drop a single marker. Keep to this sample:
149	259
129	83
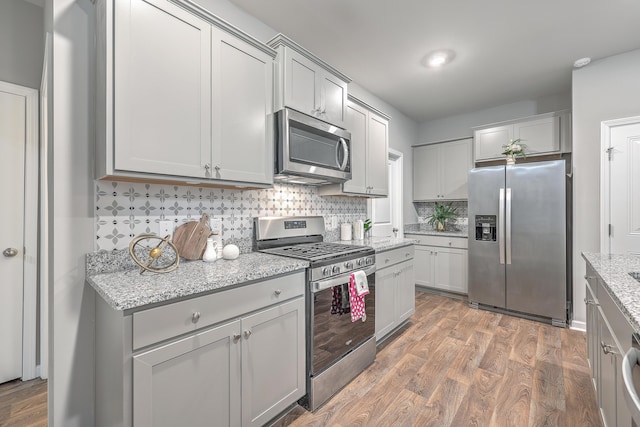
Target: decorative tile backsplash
124	210
425	210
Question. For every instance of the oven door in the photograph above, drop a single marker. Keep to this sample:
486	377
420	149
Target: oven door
332	332
312	148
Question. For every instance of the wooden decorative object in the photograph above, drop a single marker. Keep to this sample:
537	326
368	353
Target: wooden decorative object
191	238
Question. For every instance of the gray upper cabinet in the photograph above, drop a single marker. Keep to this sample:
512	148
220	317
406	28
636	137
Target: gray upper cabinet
182	96
307	84
542	135
369	130
440	170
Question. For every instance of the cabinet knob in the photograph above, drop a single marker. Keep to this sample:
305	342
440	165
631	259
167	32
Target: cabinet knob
386	261
449	243
217	168
195	317
207	167
588	277
247	333
408	254
236	337
278	292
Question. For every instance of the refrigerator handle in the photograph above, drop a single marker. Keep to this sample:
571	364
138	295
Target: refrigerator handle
508	226
501	226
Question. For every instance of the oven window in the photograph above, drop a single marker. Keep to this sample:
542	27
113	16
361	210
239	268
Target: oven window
315	148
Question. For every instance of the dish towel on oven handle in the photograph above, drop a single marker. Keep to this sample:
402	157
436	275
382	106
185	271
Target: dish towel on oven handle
362	286
357	301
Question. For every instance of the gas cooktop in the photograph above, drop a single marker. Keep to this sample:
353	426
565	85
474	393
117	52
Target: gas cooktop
316	251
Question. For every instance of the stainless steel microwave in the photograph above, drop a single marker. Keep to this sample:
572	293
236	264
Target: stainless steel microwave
310	151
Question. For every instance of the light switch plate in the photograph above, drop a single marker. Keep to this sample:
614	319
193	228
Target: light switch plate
165	227
215	224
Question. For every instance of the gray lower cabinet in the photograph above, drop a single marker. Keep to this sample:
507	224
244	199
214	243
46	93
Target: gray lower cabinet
441	262
232	358
608	339
395	289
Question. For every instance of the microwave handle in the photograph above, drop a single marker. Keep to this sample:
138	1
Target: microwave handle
345	152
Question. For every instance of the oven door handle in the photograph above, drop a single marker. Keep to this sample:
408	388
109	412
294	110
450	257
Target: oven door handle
320	285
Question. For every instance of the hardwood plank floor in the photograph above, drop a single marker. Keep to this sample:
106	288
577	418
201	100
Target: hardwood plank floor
23	403
455	366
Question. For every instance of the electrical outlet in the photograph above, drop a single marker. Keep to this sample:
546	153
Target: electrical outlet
215	224
165	228
334	222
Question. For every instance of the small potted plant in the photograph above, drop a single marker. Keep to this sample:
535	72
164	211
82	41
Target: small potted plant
443	214
514	148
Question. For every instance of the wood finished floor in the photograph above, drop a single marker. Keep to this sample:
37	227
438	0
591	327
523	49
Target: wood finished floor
457	366
23	404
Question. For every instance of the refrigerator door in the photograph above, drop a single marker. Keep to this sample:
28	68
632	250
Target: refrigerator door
535	239
486	260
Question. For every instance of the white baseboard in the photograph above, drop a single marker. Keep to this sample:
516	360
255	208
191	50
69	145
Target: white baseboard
578	325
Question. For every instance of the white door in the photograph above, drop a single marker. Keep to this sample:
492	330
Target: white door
624	188
12	149
386	213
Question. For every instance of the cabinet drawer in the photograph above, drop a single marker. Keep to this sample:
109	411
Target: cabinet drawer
620	326
160	323
393	256
445	241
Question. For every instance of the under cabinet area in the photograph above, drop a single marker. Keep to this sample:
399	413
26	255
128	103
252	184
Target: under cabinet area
175	85
608	339
395	289
369	130
541	135
441	262
307	84
440	170
235	356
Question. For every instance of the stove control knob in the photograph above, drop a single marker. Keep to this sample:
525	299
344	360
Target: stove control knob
348	265
336	269
360	262
326	271
369	261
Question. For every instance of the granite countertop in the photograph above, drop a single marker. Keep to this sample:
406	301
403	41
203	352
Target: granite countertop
428	230
380	244
128	289
625	290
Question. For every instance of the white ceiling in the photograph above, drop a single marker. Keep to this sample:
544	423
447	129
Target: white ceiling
506	50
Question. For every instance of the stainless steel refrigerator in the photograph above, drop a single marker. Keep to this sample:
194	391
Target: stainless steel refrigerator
518	239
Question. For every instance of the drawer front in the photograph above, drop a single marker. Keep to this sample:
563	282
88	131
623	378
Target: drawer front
160	323
394	256
620	326
445	241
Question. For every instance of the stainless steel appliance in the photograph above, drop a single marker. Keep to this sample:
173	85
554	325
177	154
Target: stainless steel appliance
337	348
518	239
631	379
310	151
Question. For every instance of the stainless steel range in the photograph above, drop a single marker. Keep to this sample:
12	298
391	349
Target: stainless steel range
337	348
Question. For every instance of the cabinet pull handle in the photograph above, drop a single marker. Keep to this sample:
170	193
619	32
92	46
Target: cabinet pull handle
195	317
278	292
606	348
247	333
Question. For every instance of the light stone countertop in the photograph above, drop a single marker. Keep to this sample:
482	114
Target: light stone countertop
614	271
426	229
380	244
130	290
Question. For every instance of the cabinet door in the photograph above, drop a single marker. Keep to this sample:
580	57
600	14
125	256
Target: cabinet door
405	291
300	77
488	142
607	374
189	382
385	302
455	162
377	153
242	140
426	173
357	124
162	89
539	136
273	361
333	95
423	265
450	272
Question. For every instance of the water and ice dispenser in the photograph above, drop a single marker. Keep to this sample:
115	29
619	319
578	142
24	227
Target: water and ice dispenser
486	227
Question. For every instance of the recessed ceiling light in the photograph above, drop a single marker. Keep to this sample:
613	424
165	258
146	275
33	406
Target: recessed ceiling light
438	58
582	62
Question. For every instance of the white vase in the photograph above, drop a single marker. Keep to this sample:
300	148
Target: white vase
511	160
210	253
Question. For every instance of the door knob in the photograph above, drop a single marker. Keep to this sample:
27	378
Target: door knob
10	252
